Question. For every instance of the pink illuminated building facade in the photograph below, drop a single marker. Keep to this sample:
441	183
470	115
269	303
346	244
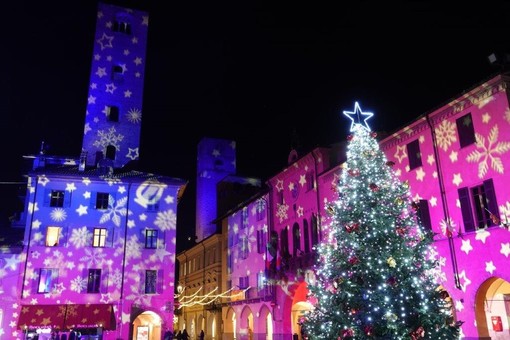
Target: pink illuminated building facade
98	254
455	159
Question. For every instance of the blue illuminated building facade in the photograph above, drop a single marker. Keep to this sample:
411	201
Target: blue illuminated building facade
98	253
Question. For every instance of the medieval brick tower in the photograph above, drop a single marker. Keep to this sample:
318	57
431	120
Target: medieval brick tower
114	107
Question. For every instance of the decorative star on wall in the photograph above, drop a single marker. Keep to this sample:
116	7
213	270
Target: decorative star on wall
357	115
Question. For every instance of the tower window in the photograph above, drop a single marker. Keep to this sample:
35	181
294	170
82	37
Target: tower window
117	73
112	113
121	27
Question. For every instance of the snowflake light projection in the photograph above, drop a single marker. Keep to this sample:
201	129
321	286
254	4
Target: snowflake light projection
134	116
488	152
108	138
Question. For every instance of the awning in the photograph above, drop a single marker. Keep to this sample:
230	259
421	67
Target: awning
67	316
90	315
42	316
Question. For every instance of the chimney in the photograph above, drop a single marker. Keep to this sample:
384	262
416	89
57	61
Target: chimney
83	160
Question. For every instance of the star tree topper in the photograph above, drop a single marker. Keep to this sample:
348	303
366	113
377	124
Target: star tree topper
356	117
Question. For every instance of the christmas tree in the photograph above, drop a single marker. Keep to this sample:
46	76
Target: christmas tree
374	278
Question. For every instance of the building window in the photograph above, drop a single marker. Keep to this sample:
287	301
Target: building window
315	231
273	251
111	150
310	182
261	240
57	198
296	239
424	214
284	240
478	204
117	73
306	236
244	218
261	209
151	238
94	281
234	238
151	280
47	279
244	282
102	200
112	113
261	281
279	197
413	152
53	235
230	262
243	248
466	130
121	27
99	237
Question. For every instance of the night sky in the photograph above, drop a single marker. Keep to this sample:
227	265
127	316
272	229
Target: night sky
257	74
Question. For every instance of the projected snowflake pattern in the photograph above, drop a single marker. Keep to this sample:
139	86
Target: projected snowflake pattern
108	138
134	116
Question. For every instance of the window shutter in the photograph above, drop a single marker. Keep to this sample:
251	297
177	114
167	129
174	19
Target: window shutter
259	241
161	239
64	232
465	207
42	240
159	284
143	237
93	198
104	281
85	276
143	273
90	236
47	197
37	277
492	203
54	277
109	236
67	198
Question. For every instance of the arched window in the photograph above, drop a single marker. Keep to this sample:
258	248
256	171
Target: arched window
110	152
315	231
284	242
306	236
296	239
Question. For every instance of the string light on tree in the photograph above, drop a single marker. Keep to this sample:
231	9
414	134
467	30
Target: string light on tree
374	279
